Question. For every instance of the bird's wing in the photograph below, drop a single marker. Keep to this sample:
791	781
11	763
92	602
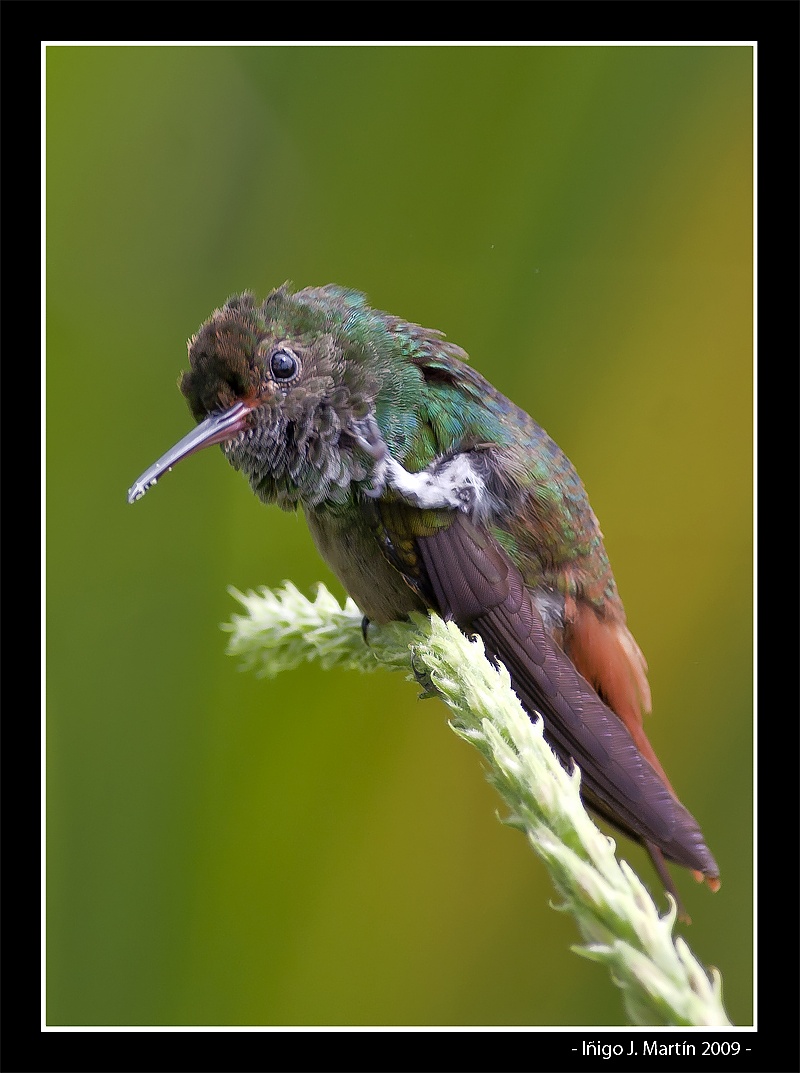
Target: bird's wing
475	582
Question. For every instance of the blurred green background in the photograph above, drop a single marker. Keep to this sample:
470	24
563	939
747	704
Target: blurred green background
321	849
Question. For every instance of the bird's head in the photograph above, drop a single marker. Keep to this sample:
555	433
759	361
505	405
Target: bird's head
291	387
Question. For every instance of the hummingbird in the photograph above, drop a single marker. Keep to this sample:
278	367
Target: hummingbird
426	489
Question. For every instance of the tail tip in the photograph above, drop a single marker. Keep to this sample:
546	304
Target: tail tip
712	882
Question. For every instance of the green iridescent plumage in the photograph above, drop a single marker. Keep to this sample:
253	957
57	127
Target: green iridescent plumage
428	403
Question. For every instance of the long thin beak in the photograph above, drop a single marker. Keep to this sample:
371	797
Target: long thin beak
215	429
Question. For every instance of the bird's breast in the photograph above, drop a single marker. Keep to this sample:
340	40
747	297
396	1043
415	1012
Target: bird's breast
350	546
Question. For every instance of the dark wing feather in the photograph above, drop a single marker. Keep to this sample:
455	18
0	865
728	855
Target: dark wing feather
476	584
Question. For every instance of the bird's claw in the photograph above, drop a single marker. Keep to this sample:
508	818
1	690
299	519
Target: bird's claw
423	678
368	437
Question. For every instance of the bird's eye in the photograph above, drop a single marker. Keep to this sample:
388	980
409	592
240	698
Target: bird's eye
284	364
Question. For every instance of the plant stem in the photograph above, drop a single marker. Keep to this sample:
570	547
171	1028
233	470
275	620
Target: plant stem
662	982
